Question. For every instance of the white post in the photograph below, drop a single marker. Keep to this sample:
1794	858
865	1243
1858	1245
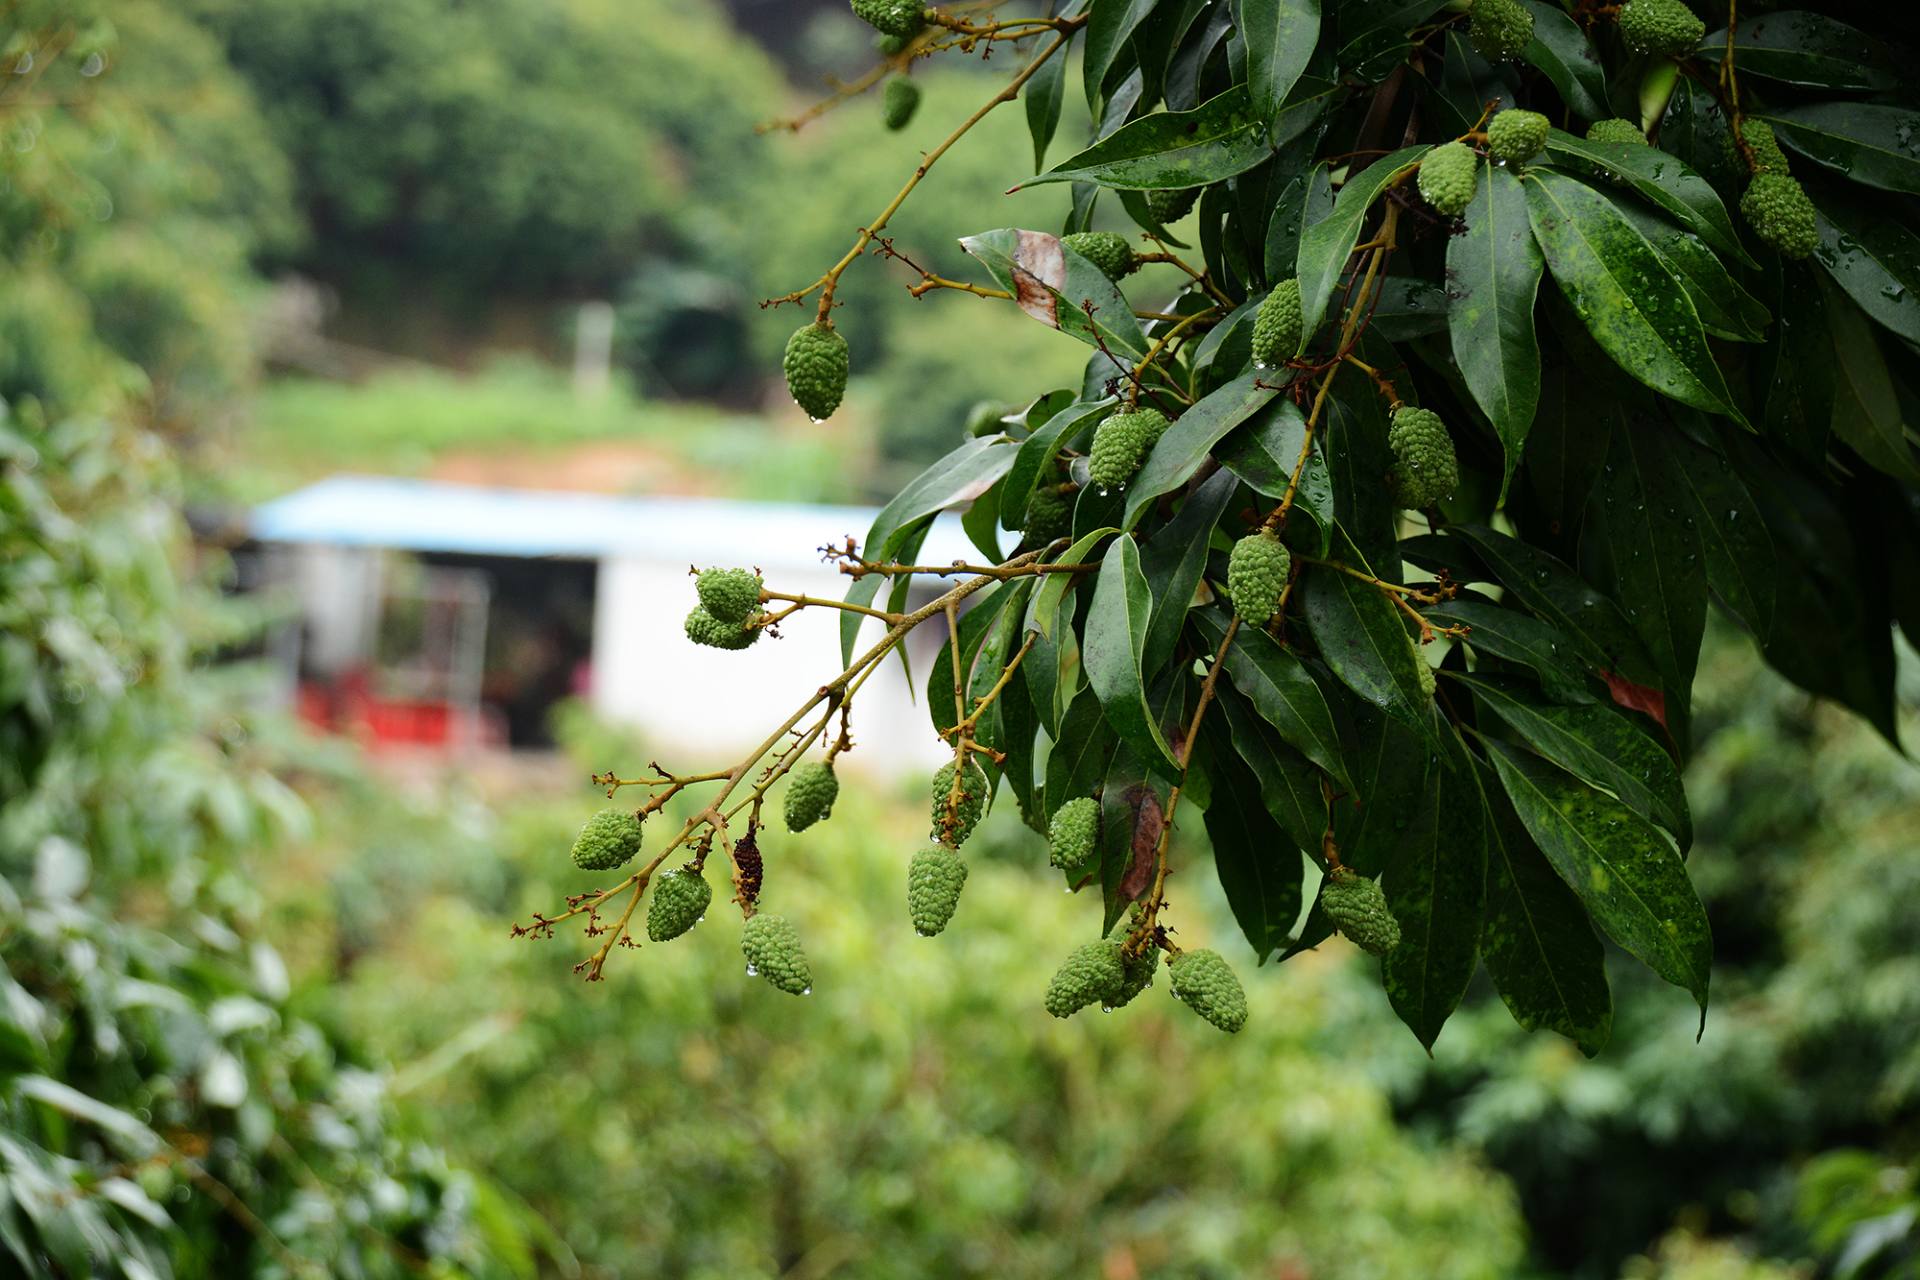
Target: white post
592	350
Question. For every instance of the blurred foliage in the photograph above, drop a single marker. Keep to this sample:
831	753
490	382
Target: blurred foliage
918	1115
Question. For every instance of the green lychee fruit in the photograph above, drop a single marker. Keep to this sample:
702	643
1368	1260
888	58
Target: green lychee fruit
1777	209
1121	444
935	878
703	628
898	101
1276	326
902	18
609	839
1516	136
730	595
1092	972
1359	909
1665	27
1500	30
772	947
1767	155
1616	130
973	800
891	45
810	795
1257	573
1448	177
1167	207
816	369
1072	834
1107	250
1424	468
1137	970
1049	513
680	898
1204	982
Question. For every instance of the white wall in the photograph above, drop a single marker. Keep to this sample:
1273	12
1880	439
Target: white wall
703	707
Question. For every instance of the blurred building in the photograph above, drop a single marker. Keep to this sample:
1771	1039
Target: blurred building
456	618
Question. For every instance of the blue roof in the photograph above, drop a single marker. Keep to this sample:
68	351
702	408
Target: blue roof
429	515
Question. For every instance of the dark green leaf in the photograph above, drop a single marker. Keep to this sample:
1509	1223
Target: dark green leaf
1082	751
1569	439
1110	24
1866	408
1662	179
1726	310
1630	300
1258	866
1044	95
1600	633
1037	453
1876	146
1188	441
975	625
1436	886
1493	273
1353	440
1539	945
980	522
1116	638
1046	601
1289	783
1596	744
1409	307
1804	48
1279	35
1740	561
1363	636
1623	869
1280	689
1874	256
1518	637
1264	453
1056	288
1561	51
1175	150
1175	559
1326	245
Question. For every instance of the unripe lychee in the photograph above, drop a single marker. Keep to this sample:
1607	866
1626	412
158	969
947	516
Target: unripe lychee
972	801
1204	982
1121	444
1616	130
1424	468
1448	177
1664	27
898	101
703	628
1049	514
810	795
1073	832
1516	136
935	878
1167	207
1500	30
902	18
816	369
1358	908
680	898
731	595
1093	971
772	947
1256	575
1276	325
1137	970
1767	155
1777	209
1107	250
609	839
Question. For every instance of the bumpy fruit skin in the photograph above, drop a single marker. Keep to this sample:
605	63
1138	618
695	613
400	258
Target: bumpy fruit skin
1256	575
1358	909
731	595
898	102
810	795
890	45
1500	29
1049	514
1093	971
1659	26
1204	982
1623	131
816	369
1107	250
1425	672
1276	326
901	18
703	628
1072	833
772	947
1424	468
973	799
935	878
1767	155
1121	444
1137	971
680	898
1167	207
1777	209
1448	177
1515	136
609	838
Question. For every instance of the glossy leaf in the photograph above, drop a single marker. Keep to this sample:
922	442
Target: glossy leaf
1741	566
1866	407
1408	307
1043	98
1517	637
1175	559
1538	943
1593	622
1560	50
1189	440
1628	875
1804	48
1493	274
1280	36
1173	150
1037	453
1662	180
1264	453
1278	685
1726	309
1110	24
1057	288
1047	600
1874	145
1363	636
1631	301
1873	255
1289	783
1326	245
1082	751
1258	866
1116	639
